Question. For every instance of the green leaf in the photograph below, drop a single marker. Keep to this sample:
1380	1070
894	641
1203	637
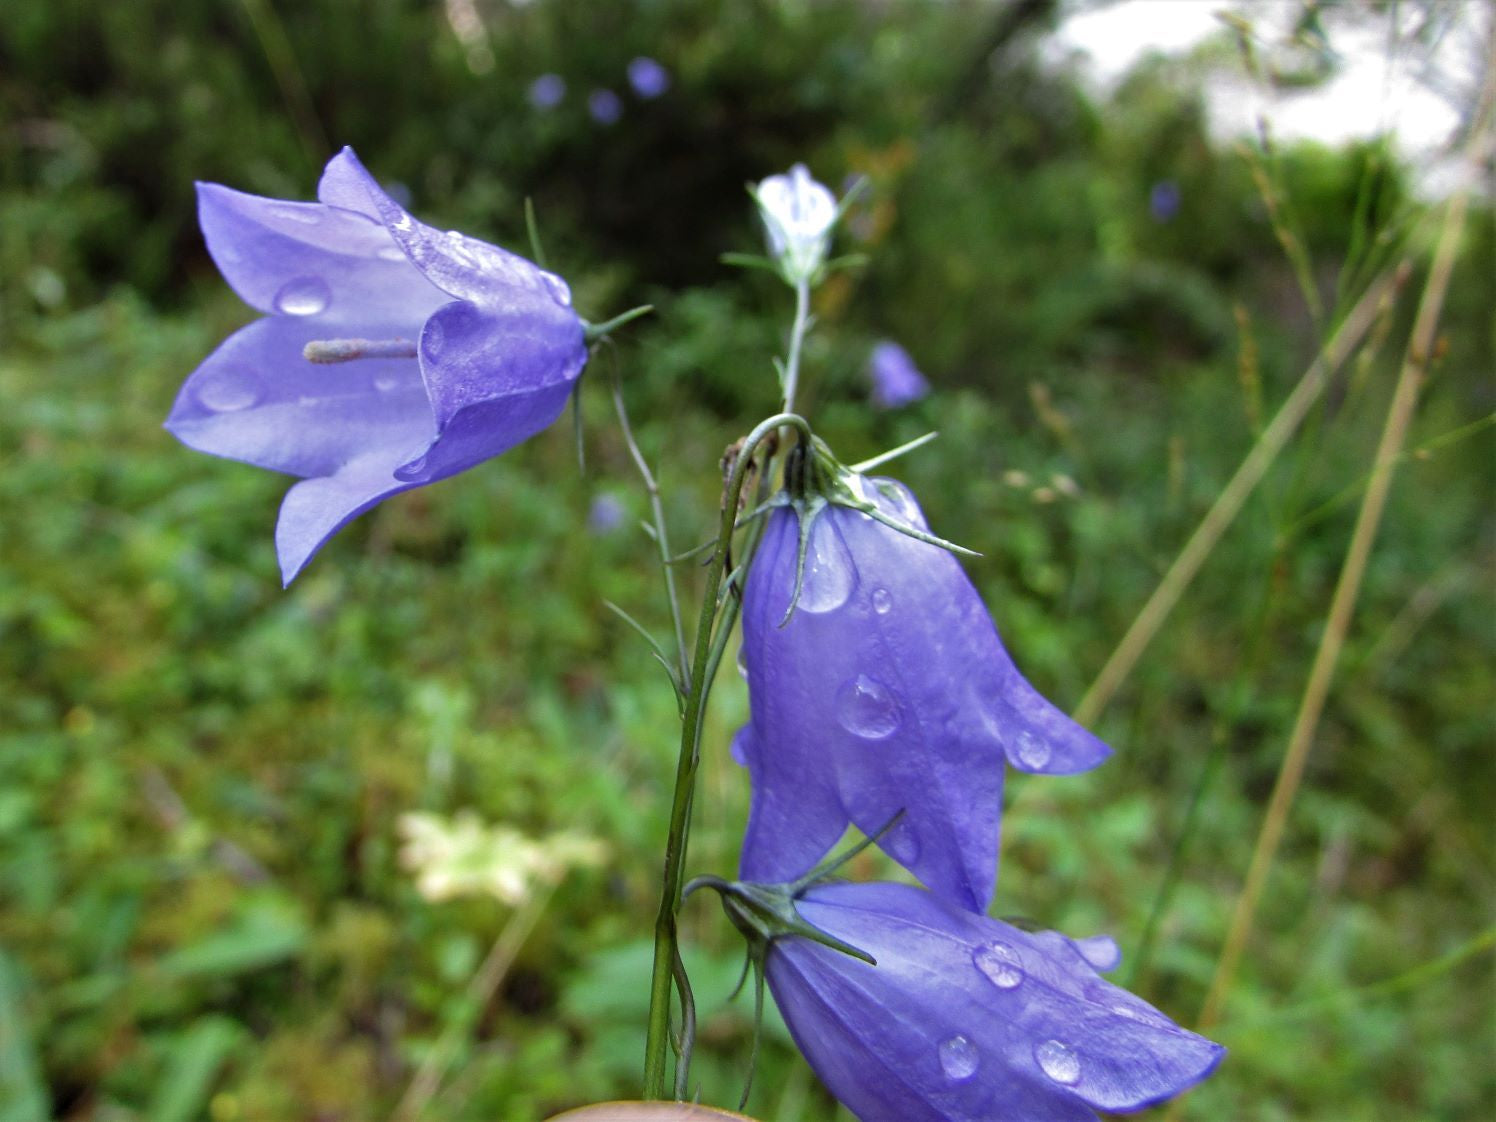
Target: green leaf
23	1091
191	1066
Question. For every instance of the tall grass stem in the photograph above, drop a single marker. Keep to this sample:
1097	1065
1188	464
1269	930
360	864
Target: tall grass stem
1342	606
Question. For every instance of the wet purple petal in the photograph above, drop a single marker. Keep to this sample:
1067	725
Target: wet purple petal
965	1018
435	351
889	687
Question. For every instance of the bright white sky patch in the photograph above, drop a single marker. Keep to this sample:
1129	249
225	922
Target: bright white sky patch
1375	89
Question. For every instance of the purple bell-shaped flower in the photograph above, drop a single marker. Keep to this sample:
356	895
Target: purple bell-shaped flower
391	354
886	689
962	1018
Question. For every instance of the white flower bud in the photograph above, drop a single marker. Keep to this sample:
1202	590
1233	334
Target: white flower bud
798	214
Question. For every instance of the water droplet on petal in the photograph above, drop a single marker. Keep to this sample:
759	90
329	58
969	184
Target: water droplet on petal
457	245
1100	951
303	296
882	601
413	470
386	383
867	708
390	253
1032	752
1058	1062
308	214
999	963
829	576
228	389
959	1058
433	338
557	288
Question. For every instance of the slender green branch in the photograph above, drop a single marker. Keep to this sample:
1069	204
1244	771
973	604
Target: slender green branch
657	511
797	338
665	951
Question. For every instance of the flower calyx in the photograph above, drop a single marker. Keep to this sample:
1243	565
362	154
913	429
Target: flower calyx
814	480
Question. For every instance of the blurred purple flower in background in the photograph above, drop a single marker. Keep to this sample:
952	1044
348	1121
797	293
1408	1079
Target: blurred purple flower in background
605	515
1163	200
547	91
967	1019
391	355
605	106
896	381
648	77
887	689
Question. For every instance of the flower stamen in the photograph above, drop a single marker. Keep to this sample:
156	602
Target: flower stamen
330	351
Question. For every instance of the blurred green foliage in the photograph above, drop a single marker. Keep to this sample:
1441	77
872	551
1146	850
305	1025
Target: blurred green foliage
201	909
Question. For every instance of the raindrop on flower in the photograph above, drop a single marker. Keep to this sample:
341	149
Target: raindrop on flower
1032	752
391	253
308	215
1058	1062
998	963
867	708
303	296
959	1058
433	338
229	390
882	601
828	577
386	383
557	288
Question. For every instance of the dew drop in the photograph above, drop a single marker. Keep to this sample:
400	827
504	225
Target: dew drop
829	576
1101	951
390	253
882	601
433	338
457	245
905	509
303	296
412	470
959	1058
228	389
1032	752
308	214
558	289
999	963
386	383
867	708
1058	1062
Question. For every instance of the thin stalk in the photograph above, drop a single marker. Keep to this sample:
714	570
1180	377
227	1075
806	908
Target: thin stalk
657	512
1342	605
479	992
661	982
797	338
1229	503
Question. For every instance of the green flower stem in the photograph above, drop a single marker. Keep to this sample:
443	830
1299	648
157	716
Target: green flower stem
797	337
657	511
709	647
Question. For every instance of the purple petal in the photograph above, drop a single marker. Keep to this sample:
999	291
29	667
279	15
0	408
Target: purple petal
966	1018
258	400
316	509
794	818
889	684
305	260
463	267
